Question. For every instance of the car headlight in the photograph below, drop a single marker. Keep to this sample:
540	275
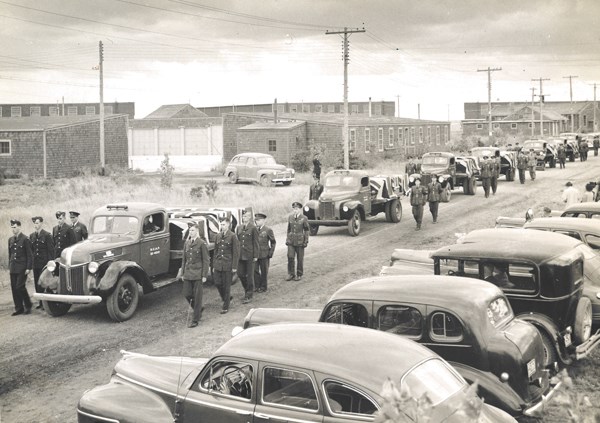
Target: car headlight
598	295
504	377
93	267
51	265
411	179
441	179
306	208
345	208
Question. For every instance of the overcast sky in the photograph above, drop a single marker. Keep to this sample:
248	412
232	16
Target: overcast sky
209	53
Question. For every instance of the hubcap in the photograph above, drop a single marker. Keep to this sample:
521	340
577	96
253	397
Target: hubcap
125	298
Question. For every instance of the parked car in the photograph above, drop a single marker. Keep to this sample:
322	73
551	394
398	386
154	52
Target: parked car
260	168
467	322
544	151
572	147
293	373
589	210
508	159
452	171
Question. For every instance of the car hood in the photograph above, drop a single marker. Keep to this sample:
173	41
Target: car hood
438	170
334	195
99	246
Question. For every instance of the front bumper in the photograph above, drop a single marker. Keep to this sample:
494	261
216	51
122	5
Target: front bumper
284	179
329	222
71	299
536	409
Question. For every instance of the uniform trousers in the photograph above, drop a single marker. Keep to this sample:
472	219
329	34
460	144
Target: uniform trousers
261	272
433	208
19	291
494	183
486	183
293	253
245	272
222	280
532	173
417	212
522	176
192	291
36	280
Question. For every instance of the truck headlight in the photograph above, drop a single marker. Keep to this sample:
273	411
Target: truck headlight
51	266
306	208
345	209
93	267
504	377
441	179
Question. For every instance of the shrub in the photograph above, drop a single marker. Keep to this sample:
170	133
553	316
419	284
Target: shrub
166	173
211	188
196	192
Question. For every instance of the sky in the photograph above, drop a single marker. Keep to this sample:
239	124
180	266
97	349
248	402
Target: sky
421	54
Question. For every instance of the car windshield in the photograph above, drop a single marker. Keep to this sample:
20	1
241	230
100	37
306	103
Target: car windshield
481	153
266	160
537	145
118	225
340	181
435	160
499	312
435	379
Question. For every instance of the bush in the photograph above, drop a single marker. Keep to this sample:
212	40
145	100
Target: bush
196	193
211	189
166	173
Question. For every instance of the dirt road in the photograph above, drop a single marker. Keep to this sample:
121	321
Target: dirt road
47	363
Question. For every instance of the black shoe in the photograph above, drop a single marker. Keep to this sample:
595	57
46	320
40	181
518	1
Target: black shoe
246	300
224	311
289	277
27	311
39	306
193	324
298	278
16	313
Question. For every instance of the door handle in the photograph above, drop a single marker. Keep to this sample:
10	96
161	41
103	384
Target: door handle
262	416
243	412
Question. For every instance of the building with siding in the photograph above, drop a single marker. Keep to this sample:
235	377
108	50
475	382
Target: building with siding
61	146
65	109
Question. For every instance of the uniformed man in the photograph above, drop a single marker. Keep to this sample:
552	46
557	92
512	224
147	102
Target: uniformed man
497	166
418	198
194	270
316	189
296	241
434	196
317	166
249	250
522	164
79	228
20	262
411	167
225	261
42	247
63	234
532	164
561	152
486	175
266	248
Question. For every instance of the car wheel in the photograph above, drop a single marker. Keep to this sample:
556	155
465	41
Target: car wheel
550	355
265	181
583	321
232	178
123	301
354	224
56	309
394	211
314	229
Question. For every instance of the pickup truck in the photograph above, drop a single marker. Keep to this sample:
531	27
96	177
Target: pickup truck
452	171
508	159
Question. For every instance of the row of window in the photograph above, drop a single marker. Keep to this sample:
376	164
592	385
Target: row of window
497	125
16	111
400	137
329	108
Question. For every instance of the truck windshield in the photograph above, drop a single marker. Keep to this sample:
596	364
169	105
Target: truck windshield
118	225
535	145
435	160
481	153
435	379
340	181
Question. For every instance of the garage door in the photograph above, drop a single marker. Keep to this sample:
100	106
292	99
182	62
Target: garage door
142	143
169	141
196	141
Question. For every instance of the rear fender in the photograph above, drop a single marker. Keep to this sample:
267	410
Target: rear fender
116	269
265	316
544	323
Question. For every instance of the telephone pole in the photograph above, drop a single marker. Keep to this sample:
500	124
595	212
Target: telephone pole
532	112
101	66
541	95
346	57
398	102
595	107
489	72
571	96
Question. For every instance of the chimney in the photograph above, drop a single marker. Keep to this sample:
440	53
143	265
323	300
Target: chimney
275	111
370	107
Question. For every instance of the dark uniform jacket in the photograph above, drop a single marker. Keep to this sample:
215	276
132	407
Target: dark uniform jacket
42	247
562	153
227	252
196	260
532	159
63	237
19	254
410	168
418	195
80	231
266	242
497	166
522	161
435	190
248	237
487	169
315	191
297	231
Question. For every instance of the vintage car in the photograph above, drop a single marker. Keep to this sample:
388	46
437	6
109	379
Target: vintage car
571	146
260	168
589	210
453	171
508	159
467	322
283	373
544	151
350	196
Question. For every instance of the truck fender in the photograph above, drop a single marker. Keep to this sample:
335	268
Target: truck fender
544	323
124	402
352	205
48	280
491	389
116	269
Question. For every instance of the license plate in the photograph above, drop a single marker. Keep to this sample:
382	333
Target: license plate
567	339
531	368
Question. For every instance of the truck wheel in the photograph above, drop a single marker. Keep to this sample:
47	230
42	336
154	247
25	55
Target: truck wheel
354	224
314	229
393	211
265	181
232	178
123	301
582	329
550	355
470	185
56	309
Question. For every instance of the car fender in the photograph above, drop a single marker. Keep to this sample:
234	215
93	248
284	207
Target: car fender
125	403
352	205
543	322
491	389
48	280
310	209
265	316
116	269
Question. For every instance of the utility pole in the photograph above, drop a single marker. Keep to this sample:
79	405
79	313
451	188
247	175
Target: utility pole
595	107
346	57
541	95
101	66
532	112
398	102
489	72
571	96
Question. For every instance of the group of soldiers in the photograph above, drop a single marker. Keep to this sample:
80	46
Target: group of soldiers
27	254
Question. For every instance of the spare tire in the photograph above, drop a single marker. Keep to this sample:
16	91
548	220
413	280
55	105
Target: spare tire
582	329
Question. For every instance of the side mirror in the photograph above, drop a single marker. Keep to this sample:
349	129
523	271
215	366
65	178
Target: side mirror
529	215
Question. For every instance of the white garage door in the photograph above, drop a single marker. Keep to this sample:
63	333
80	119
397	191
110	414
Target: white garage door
142	143
169	141
196	141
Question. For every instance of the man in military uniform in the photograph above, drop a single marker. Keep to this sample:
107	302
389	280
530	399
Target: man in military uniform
487	168
522	164
42	247
434	196
410	167
266	245
596	144
561	152
248	237
225	260
496	166
20	262
418	198
79	228
316	189
296	241
63	235
317	166
194	269
532	164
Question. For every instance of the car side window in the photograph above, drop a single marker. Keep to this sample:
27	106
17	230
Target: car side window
289	388
235	160
242	160
445	327
449	267
400	320
364	182
231	378
593	241
343	400
347	314
251	162
511	277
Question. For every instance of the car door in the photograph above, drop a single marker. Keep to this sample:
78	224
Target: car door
155	246
447	335
241	167
251	170
224	392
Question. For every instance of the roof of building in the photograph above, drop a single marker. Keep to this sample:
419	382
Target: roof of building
41	123
271	125
169	111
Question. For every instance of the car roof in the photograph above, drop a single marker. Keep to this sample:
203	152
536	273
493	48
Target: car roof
588	225
133	209
362	356
582	207
253	155
455	292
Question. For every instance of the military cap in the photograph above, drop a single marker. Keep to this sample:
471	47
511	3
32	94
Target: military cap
15	222
296	205
569	184
34	218
60	214
547	210
223	219
192	223
260	216
74	214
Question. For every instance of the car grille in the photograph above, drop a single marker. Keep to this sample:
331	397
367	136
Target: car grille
426	179
71	280
327	210
282	175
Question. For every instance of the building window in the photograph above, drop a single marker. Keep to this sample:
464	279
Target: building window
496	125
90	110
412	135
353	140
421	135
305	108
294	108
331	108
429	139
35	111
367	140
479	126
391	137
4	147
53	111
406	136
513	126
400	138
272	146
71	110
529	125
281	108
437	135
108	110
584	119
380	139
15	111
365	108
355	108
445	134
318	108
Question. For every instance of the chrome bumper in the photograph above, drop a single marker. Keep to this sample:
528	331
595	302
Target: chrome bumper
71	299
535	410
282	179
329	222
582	350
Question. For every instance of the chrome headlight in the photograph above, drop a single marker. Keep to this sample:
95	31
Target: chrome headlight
598	295
306	208
441	179
51	266
345	209
93	267
504	377
411	179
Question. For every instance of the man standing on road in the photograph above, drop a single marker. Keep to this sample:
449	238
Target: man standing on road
63	234
571	195
316	189
486	174
418	198
522	164
435	191
79	228
42	248
225	261
410	167
317	166
532	163
248	237
296	241
193	271
266	244
20	261
496	166
562	154
596	144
